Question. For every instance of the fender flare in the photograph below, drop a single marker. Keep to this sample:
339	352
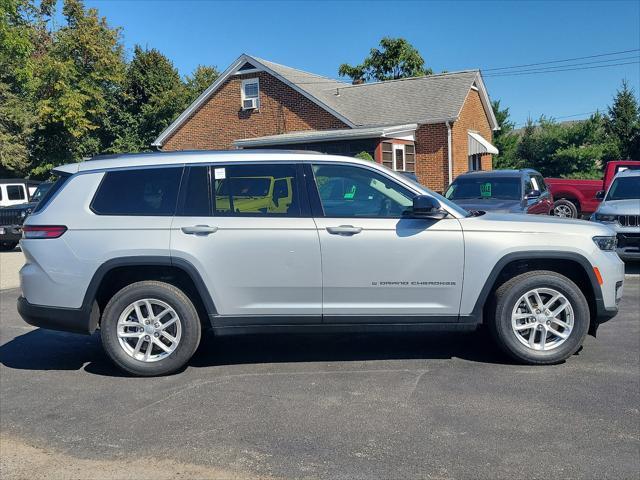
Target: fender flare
539	255
143	260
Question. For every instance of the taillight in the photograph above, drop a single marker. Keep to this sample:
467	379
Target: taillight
43	231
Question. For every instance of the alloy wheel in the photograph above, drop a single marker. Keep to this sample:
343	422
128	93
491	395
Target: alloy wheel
542	319
149	330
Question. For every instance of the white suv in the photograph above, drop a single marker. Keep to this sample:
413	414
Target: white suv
153	248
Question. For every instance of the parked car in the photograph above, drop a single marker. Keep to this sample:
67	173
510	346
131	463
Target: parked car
142	248
502	191
14	191
577	198
11	218
620	210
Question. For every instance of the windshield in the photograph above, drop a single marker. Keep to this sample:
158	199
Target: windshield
503	188
448	203
627	188
42	189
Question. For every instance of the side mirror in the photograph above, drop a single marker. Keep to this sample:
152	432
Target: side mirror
531	194
600	194
425	206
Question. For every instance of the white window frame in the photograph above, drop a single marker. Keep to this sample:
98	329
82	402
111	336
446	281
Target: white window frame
243	96
399	146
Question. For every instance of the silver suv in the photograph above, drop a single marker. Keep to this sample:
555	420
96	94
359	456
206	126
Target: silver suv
153	248
620	210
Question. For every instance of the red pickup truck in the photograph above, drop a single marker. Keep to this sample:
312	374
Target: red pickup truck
576	198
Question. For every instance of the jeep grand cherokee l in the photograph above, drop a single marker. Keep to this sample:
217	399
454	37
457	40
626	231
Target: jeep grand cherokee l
152	248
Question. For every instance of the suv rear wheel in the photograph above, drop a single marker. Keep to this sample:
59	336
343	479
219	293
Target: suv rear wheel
540	317
150	328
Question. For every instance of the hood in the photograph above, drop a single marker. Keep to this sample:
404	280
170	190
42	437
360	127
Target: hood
534	224
491	205
21	206
620	207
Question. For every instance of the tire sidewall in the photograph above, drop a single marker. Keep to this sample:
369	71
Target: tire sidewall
188	318
507	336
568	203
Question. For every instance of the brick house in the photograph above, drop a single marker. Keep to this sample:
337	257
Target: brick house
437	126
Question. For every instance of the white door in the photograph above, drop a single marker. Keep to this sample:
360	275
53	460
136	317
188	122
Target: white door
258	256
376	264
13	194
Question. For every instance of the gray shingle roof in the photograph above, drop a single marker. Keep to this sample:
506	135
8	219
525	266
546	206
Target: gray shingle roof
412	100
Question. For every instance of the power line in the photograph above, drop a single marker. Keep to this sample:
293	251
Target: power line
560	70
555	67
562	61
522	124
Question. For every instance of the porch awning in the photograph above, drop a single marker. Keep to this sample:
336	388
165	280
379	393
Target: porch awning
478	145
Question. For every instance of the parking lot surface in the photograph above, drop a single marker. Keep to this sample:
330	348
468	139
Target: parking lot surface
337	406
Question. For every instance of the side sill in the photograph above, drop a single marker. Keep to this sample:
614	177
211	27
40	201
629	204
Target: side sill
345	328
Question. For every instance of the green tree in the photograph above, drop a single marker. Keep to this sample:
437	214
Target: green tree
364	156
505	140
623	123
201	78
397	58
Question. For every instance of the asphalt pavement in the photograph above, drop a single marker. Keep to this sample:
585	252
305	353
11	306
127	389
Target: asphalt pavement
446	406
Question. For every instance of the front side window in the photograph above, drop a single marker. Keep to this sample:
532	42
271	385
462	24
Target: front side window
506	188
15	192
141	192
348	191
624	189
255	190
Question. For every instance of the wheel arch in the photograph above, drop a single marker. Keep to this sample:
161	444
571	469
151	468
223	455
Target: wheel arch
573	265
118	272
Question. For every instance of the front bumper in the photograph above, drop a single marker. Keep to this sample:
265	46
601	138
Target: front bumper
74	320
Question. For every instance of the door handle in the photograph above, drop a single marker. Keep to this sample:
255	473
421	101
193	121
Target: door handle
344	230
199	230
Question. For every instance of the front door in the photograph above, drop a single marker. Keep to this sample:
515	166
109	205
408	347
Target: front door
376	265
247	230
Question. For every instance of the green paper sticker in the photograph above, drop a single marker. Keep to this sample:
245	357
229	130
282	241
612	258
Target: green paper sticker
485	190
351	193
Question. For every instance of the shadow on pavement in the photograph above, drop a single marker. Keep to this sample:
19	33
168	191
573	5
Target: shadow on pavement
49	350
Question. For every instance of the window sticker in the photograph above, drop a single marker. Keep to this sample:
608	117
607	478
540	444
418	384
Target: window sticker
351	193
485	189
220	174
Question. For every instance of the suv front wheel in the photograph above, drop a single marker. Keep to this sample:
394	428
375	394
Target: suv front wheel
150	328
540	317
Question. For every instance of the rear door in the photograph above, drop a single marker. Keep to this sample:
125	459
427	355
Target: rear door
246	228
377	266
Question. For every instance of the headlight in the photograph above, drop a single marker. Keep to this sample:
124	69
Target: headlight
606	243
601	217
25	213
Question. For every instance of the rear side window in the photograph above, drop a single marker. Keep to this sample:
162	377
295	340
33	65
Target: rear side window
195	192
15	192
57	185
142	192
255	190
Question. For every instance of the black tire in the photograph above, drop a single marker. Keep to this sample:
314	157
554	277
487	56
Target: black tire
7	246
565	208
505	300
188	318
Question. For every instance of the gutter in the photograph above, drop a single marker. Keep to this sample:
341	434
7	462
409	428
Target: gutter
449	159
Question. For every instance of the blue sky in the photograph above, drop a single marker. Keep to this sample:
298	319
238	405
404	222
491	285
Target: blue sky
319	36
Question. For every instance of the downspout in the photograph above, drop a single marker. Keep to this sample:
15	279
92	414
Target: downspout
450	162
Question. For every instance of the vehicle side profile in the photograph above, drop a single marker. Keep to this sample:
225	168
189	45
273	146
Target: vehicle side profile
153	248
502	191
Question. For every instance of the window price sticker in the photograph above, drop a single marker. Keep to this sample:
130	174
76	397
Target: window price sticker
219	174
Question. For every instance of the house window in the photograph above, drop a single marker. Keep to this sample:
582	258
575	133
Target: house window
475	162
387	154
250	94
410	158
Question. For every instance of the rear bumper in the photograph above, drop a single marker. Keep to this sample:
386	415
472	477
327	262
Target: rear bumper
75	320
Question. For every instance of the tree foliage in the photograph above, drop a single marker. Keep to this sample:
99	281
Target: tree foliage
396	59
69	92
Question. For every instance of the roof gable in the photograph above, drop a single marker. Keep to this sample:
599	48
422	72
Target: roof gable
428	99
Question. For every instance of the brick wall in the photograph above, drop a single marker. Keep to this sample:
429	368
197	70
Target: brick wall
472	117
220	121
431	156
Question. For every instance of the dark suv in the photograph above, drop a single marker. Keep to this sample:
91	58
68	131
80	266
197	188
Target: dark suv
12	218
502	191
